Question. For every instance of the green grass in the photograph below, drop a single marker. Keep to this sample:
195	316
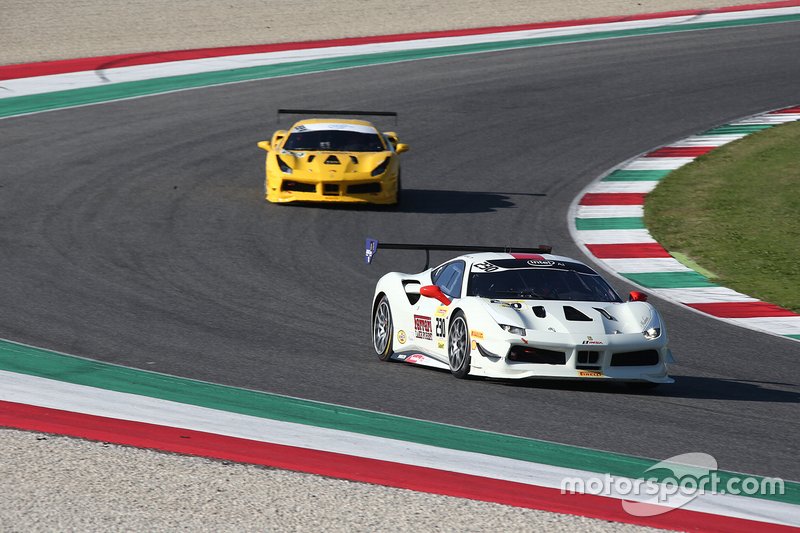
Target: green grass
736	213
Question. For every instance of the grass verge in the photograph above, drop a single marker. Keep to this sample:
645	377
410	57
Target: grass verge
736	212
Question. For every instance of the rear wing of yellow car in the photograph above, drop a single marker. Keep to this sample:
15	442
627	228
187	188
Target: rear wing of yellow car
372	245
328	112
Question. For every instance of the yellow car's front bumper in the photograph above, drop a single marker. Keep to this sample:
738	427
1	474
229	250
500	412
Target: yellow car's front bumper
374	191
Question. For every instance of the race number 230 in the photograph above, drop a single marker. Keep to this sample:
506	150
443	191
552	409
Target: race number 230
441	327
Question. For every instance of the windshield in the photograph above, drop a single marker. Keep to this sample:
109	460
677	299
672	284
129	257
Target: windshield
541	284
334	141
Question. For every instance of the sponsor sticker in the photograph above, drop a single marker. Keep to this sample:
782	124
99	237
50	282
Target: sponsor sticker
540	262
476	334
590	374
474	344
415	358
423	327
401	337
590	340
440	345
441	311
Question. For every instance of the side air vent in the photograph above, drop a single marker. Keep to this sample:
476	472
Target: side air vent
531	354
296	186
364	188
640	358
570	313
332	160
539	311
412	298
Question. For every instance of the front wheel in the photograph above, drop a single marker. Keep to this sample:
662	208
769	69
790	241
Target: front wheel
458	347
382	330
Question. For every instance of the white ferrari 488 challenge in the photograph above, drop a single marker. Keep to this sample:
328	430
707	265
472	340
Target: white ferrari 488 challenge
516	313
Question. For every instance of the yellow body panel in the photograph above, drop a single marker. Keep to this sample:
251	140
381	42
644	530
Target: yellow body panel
328	175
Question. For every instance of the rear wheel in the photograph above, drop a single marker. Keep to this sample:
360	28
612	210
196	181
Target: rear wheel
382	330
399	189
458	347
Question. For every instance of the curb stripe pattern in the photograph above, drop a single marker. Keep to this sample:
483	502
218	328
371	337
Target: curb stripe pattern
48	380
28	92
139	419
354	468
46	68
615	235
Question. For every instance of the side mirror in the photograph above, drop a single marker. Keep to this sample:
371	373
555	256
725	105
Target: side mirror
265	145
401	147
636	296
432	291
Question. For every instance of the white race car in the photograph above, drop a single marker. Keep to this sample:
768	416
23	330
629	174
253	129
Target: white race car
516	313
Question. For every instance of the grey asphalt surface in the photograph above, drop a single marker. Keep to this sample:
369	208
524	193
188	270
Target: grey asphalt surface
136	233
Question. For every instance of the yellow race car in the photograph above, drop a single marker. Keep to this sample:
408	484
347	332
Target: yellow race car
333	160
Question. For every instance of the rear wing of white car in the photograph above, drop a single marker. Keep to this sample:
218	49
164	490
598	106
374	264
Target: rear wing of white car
372	245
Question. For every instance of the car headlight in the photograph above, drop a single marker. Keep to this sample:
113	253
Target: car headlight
380	169
652	333
652	329
514	330
286	169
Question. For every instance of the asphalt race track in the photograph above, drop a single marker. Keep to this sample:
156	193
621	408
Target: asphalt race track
136	233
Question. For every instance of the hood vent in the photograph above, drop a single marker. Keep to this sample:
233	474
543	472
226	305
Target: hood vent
332	160
539	311
570	313
354	159
311	158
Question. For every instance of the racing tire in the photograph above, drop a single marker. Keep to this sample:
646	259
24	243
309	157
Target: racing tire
458	346
399	189
383	330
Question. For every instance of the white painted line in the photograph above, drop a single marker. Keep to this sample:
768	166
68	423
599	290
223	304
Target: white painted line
795	116
782	325
624	186
704	295
609	211
636	266
765	120
658	163
708	140
615	236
